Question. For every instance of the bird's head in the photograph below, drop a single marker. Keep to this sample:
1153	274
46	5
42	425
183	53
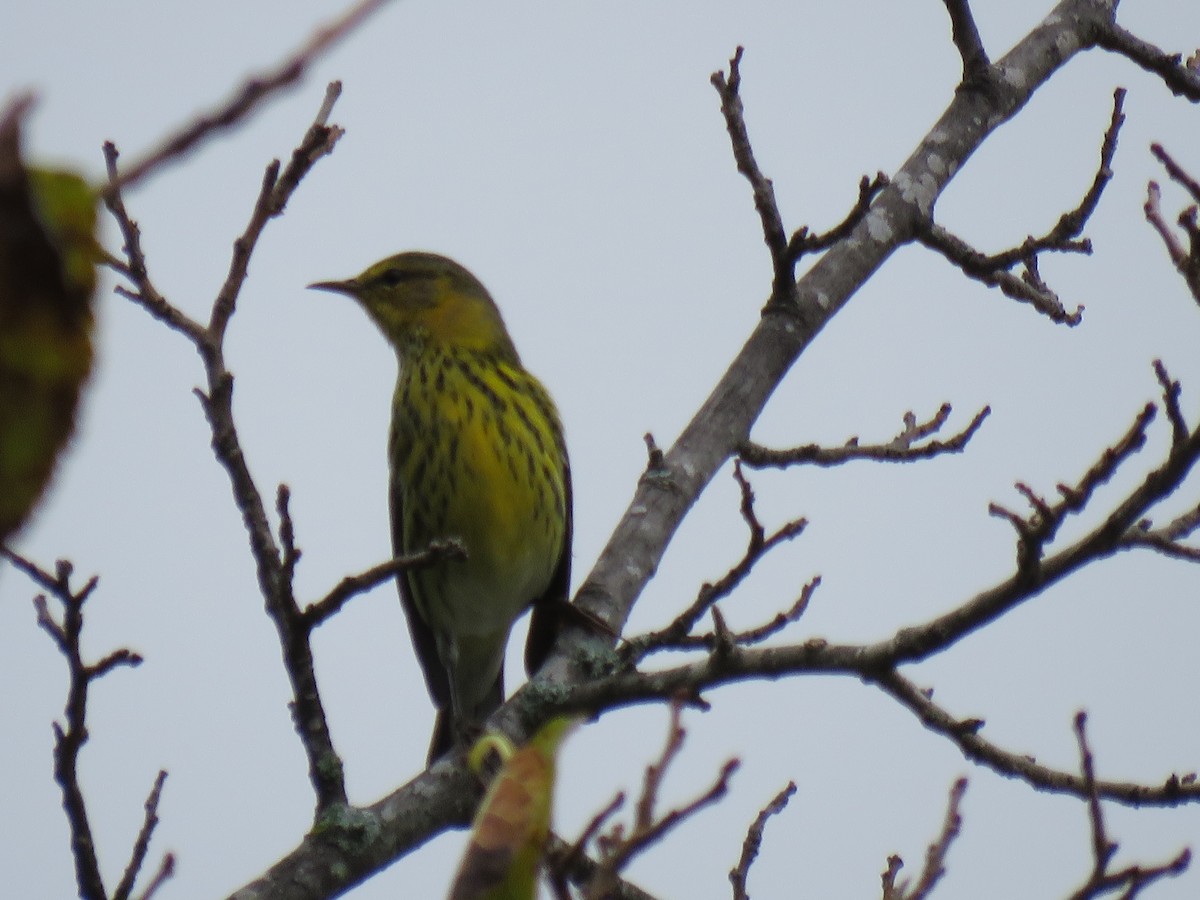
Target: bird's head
421	298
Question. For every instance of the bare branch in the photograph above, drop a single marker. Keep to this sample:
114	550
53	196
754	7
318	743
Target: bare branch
1178	77
1039	528
1102	880
1177	172
352	585
145	294
616	848
965	734
165	871
965	33
1028	286
678	634
803	241
142	845
246	98
274	566
781	619
761	186
69	739
995	270
753	841
272	200
1171	390
1186	261
287	533
871	664
935	855
571	865
1124	528
901	448
785	252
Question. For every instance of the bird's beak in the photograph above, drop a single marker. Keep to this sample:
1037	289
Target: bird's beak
336	287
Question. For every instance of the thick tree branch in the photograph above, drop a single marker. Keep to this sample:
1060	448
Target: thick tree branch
724	421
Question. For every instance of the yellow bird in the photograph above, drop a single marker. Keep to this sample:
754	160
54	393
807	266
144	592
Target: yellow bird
476	452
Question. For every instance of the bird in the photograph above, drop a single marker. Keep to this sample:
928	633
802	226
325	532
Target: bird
476	453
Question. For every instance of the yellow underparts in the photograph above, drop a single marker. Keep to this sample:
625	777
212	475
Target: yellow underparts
480	458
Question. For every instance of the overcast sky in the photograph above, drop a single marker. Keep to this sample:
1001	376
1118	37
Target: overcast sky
573	156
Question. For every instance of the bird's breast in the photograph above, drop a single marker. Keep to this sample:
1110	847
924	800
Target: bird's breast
480	458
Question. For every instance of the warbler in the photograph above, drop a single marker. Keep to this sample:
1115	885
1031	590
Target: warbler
475	452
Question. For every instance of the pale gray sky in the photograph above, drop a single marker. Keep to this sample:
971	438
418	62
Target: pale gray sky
574	158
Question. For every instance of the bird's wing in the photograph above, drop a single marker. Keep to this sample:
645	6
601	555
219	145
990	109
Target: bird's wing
422	635
552	608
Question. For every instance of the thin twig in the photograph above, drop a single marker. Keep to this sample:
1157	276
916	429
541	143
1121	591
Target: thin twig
803	241
966	38
145	294
901	448
1186	261
1178	77
935	855
616	847
142	845
166	869
1102	880
784	287
995	269
246	97
753	841
1040	527
352	585
274	566
70	738
566	865
678	634
965	734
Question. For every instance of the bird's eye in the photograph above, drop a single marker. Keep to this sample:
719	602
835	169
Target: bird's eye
392	277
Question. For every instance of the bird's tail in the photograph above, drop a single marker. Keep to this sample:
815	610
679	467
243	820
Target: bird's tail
445	730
